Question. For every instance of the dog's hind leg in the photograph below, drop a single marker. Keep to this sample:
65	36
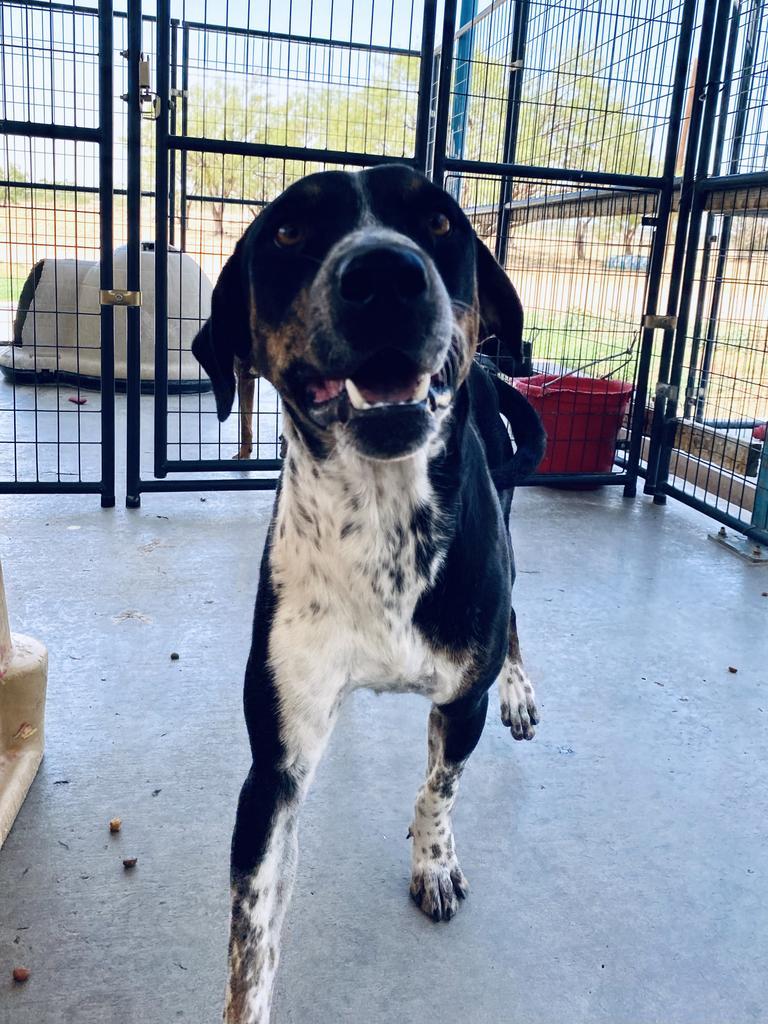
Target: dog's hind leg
437	881
246	389
518	701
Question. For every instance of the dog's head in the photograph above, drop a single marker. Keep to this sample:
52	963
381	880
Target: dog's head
361	298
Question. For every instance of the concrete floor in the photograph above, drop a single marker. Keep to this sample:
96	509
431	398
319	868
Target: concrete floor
619	863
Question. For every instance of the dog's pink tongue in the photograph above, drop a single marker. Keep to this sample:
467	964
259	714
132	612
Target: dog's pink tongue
325	390
394	393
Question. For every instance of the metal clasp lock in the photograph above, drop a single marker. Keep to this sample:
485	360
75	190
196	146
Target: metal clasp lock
149	102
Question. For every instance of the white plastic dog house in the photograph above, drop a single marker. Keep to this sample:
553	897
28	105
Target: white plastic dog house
56	332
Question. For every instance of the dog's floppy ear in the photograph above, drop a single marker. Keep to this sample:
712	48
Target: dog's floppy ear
501	311
226	333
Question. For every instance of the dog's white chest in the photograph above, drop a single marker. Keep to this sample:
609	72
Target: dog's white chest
350	559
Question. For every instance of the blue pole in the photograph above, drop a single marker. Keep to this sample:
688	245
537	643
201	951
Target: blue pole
760	510
462	82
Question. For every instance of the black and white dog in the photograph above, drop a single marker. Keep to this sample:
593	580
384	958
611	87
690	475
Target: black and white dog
388	562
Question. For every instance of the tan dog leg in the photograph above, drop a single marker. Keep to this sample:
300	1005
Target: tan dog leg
246	389
518	701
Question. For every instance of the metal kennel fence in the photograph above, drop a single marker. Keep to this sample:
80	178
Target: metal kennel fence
708	437
57	208
610	154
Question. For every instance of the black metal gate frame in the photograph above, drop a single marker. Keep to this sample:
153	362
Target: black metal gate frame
663	185
168	145
102	137
715	70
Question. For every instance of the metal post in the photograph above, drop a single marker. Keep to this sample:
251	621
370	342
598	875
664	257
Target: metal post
462	79
133	281
679	249
106	216
713	72
716	167
430	160
172	113
742	109
184	132
656	268
161	237
760	508
444	92
516	70
421	151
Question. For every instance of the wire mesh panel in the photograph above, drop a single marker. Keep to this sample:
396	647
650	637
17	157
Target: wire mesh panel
196	441
571	114
579	257
592	84
340	91
56	419
248	106
744	147
559	127
50	64
711	450
717	454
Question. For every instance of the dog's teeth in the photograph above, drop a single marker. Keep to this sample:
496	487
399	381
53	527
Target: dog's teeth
422	388
355	398
443	398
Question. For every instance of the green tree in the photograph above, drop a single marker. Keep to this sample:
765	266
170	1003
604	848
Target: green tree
376	117
568	118
10	195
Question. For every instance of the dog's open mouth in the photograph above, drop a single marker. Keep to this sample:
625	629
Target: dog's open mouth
389	379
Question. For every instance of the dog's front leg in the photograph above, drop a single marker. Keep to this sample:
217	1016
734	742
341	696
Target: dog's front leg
264	850
437	881
517	699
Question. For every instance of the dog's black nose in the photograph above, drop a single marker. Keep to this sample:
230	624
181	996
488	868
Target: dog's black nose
382	274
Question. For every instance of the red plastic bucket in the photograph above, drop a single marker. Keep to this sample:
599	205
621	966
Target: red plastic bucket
582	417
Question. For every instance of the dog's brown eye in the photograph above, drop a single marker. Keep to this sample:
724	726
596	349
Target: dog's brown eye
288	235
439	224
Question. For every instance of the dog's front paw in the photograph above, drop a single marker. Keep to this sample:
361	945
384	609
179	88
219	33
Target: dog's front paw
518	701
438	883
243	452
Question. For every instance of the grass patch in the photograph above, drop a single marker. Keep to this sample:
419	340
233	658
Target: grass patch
9	289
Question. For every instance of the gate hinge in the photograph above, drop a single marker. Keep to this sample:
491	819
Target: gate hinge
656	322
667	391
650	222
517	65
179	94
118	297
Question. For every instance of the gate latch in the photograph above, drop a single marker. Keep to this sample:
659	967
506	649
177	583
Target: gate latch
118	297
149	101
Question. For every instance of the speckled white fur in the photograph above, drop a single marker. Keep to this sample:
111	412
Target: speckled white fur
340	623
517	699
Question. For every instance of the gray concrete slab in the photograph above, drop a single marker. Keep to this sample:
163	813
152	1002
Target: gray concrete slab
618	863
